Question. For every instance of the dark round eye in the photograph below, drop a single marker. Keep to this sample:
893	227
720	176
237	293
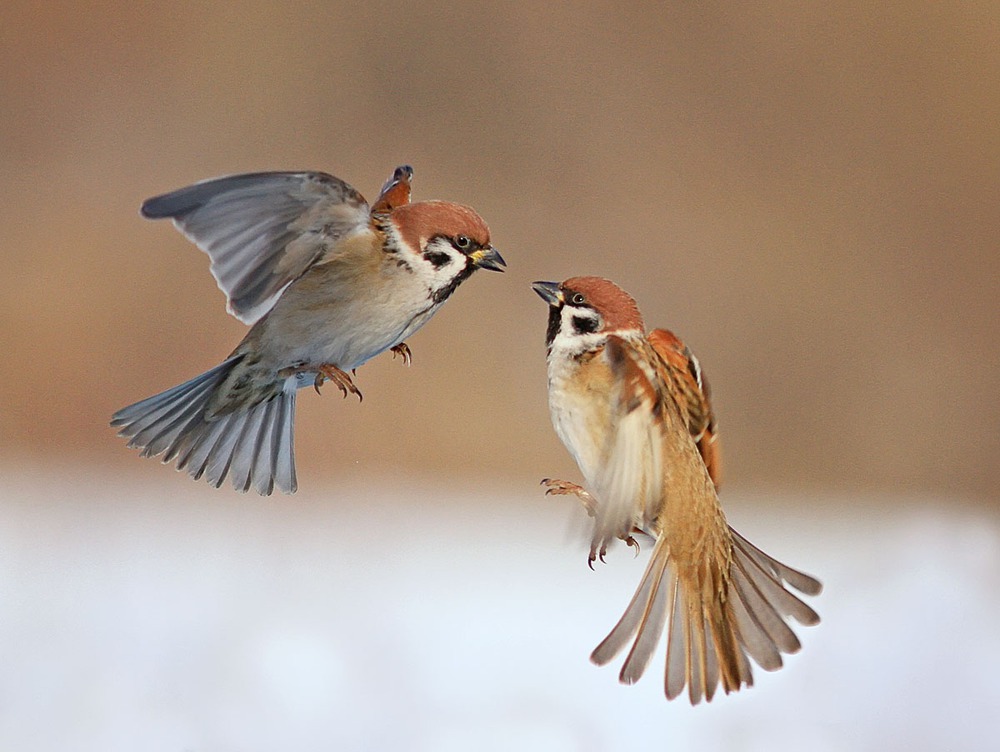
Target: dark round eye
578	299
463	242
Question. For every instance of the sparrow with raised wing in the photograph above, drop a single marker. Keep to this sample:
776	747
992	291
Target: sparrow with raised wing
326	282
633	409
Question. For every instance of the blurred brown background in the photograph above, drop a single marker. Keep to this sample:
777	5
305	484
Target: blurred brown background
809	195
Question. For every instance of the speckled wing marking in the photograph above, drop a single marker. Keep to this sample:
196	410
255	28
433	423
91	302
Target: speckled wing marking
693	386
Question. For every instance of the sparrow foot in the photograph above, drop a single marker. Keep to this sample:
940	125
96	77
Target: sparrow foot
403	351
341	378
600	554
596	554
565	488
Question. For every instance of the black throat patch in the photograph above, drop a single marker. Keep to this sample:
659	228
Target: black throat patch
442	294
555	321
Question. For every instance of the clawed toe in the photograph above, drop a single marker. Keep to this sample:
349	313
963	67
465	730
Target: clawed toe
342	379
632	543
560	487
565	488
403	351
597	554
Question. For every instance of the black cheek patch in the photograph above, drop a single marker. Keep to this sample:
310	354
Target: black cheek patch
437	259
584	324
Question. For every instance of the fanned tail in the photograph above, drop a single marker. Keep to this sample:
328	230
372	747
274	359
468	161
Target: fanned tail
254	446
713	622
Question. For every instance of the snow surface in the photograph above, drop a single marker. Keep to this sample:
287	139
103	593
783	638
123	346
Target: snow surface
175	617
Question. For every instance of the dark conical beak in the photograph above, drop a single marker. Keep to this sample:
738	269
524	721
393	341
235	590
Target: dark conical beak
549	292
488	258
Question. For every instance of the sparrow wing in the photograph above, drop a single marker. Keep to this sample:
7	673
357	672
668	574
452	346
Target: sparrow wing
719	598
629	481
696	393
262	230
395	192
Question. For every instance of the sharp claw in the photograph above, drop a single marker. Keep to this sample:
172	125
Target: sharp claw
632	543
403	351
338	377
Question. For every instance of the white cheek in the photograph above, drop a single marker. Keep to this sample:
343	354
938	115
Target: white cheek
438	277
571	345
568	342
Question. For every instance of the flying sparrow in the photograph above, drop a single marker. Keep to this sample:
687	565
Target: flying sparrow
633	410
327	283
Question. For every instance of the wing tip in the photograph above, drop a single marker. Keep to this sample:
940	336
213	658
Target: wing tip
160	207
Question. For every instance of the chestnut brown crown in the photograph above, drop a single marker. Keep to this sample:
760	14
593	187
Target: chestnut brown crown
421	221
618	309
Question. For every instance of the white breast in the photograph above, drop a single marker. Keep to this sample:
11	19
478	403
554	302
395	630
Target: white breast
579	416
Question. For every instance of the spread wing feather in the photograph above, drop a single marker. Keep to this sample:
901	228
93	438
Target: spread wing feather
262	230
719	598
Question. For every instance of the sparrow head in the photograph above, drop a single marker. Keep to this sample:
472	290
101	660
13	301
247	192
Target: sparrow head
584	310
443	243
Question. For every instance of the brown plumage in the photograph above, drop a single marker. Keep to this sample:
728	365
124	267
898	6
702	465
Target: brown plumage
325	282
634	411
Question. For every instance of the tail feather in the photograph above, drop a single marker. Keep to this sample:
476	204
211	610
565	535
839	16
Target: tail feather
170	425
676	671
245	450
284	431
629	623
711	663
221	458
194	449
262	466
753	637
253	447
753	592
654	616
798	580
713	624
144	427
696	648
253	456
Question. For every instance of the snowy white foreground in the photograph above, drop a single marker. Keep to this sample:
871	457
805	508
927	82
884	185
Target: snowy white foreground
174	617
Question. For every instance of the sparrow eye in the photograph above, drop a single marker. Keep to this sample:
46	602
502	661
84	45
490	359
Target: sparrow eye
462	242
577	299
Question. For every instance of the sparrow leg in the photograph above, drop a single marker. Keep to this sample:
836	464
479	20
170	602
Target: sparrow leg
341	378
565	488
403	350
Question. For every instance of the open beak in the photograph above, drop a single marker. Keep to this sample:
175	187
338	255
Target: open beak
549	292
488	258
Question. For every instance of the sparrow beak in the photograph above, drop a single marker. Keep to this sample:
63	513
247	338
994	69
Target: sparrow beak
549	292
488	258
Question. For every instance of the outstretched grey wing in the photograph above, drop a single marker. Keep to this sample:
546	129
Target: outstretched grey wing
262	230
